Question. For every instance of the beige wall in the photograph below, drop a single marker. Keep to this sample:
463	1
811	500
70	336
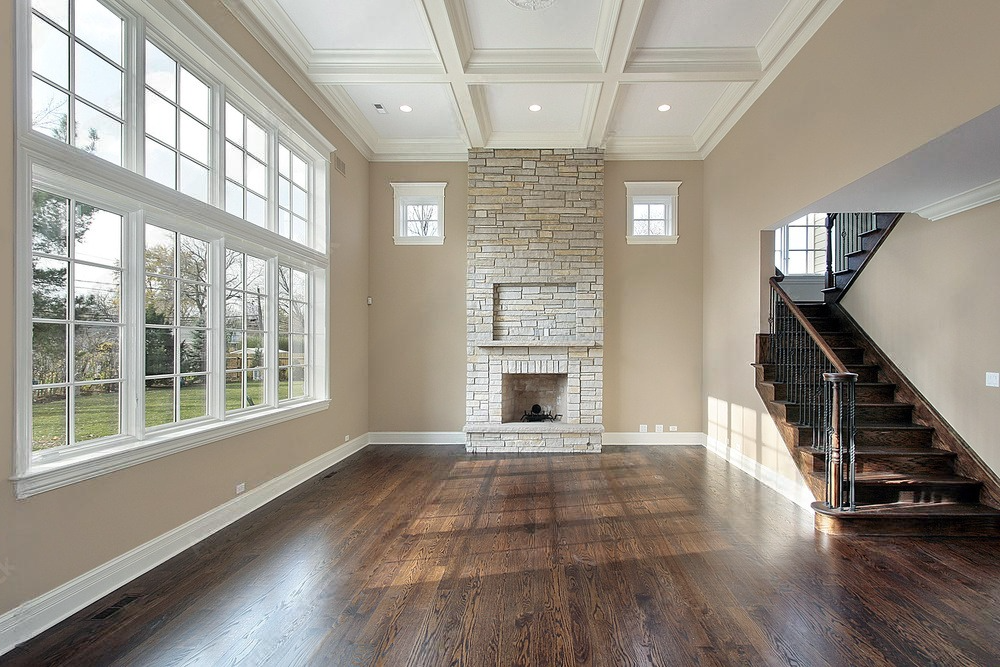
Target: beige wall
653	307
50	538
652	361
417	318
929	300
880	78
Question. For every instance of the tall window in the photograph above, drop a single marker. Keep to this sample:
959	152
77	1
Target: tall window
800	246
78	73
76	322
293	328
246	167
293	195
246	330
176	317
148	321
177	122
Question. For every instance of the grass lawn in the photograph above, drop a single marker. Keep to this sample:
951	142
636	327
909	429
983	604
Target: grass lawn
97	413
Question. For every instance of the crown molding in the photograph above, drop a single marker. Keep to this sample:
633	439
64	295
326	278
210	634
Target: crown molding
338	99
646	148
537	140
965	201
723	106
274	22
790	19
244	11
518	61
821	11
734	63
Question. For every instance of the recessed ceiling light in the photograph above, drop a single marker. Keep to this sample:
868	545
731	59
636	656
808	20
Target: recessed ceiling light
663	107
406	108
535	107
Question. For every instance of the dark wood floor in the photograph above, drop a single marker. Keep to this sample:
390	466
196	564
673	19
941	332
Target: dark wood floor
638	556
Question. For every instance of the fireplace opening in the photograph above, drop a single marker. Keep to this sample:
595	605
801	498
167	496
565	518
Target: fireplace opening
523	392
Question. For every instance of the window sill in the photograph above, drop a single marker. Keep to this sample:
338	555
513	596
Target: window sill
651	240
418	240
70	469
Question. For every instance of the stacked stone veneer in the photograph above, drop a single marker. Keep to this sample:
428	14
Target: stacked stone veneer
535	293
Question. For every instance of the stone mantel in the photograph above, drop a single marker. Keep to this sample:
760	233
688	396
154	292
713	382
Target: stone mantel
539	342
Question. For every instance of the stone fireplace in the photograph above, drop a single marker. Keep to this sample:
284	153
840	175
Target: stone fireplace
535	298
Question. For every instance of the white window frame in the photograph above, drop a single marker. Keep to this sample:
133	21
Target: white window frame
64	170
652	192
815	224
409	194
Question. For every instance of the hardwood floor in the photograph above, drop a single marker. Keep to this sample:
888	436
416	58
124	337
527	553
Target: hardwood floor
637	556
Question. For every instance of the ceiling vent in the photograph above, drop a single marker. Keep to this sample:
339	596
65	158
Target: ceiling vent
379	108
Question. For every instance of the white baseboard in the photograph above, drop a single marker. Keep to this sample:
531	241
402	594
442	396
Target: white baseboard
793	489
674	438
416	438
39	614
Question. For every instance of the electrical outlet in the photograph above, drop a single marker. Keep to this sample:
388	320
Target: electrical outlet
369	301
346	438
241	487
993	379
643	428
673	429
659	428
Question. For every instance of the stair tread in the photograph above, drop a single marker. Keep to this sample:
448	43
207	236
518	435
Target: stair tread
910	510
877	230
912	479
890	451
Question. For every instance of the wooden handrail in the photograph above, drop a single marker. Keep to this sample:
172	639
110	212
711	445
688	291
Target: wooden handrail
821	343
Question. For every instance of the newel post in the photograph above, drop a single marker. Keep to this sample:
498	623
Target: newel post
840	455
830	281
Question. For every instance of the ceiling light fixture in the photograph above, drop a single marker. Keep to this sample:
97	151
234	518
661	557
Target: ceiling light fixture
406	108
535	107
663	107
532	5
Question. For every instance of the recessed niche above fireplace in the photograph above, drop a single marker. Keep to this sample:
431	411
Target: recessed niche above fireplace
526	310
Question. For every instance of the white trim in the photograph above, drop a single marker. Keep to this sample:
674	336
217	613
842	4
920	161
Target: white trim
416	438
40	613
409	193
793	489
651	239
663	193
669	438
966	201
68	469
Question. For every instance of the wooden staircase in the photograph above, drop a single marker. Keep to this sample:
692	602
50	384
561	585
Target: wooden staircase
914	475
853	240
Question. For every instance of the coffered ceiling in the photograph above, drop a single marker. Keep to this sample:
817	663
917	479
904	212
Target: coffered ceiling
470	69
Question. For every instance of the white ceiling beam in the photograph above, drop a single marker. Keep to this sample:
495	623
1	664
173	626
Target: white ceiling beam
450	27
628	17
390	75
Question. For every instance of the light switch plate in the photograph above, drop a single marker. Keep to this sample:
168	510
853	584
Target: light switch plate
993	379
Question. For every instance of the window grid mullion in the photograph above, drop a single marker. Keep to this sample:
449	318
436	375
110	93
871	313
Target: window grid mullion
133	320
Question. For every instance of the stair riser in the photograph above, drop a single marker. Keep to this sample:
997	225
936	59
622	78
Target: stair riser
839	339
943	493
851	355
876	394
826	323
884	414
865	374
906	465
892	438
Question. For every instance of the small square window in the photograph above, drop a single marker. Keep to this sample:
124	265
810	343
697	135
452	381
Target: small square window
419	213
652	212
